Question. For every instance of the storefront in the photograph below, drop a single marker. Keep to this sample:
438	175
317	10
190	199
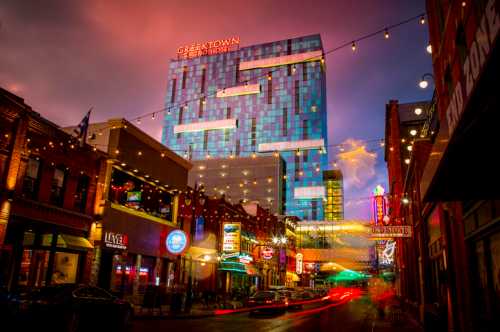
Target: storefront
47	253
133	253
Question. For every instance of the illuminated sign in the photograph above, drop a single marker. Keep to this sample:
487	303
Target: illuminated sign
115	240
379	205
232	234
386	250
267	253
226	256
391	231
299	264
176	242
479	51
245	259
208	48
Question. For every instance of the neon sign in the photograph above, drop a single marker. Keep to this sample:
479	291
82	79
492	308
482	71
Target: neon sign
176	242
379	205
267	253
115	240
209	48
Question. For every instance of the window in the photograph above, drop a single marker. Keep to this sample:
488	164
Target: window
174	86
305	156
181	114
31	180
297	167
130	191
190	151
237	74
228	113
304	71
184	76
269	88
238	147
203	78
57	187
81	193
226	135
314	206
254	130
285	122
297	97
305	129
201	107
205	140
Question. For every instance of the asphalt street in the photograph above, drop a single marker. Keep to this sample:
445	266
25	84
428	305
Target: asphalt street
356	315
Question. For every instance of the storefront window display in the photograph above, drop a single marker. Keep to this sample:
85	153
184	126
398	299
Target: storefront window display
122	273
134	193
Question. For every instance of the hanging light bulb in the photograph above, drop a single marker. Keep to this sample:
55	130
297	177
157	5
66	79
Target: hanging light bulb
422	19
429	49
139	121
297	153
254	155
386	34
353	46
153	116
276	154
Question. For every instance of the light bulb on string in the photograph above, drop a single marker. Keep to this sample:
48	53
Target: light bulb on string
386	34
153	116
139	121
353	46
422	19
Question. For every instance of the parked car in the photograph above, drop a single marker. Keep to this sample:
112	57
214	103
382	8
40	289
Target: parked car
267	301
294	299
70	308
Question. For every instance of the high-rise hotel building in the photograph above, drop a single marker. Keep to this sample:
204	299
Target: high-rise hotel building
225	101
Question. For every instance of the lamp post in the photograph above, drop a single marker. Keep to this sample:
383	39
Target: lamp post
424	83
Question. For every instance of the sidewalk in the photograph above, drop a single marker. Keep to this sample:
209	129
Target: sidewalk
395	320
197	311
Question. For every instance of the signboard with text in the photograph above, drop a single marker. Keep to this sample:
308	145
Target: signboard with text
176	242
231	237
208	48
115	240
391	231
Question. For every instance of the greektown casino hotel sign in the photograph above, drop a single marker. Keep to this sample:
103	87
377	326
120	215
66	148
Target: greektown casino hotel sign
208	48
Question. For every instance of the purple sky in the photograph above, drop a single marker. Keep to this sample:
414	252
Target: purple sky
65	56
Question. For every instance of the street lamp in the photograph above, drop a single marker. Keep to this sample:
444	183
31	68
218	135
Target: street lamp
423	84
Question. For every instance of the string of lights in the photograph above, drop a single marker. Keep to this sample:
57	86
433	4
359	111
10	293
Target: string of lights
353	44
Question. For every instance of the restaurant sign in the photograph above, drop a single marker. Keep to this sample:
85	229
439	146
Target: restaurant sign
485	37
116	240
208	48
391	231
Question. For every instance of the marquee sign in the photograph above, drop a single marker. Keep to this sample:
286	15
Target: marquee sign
176	242
116	240
391	231
208	48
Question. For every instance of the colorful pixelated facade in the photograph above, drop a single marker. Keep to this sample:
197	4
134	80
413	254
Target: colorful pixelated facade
334	191
265	99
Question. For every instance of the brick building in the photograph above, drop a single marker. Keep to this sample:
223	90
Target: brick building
48	182
449	272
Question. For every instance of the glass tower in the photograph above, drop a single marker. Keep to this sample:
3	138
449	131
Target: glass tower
261	99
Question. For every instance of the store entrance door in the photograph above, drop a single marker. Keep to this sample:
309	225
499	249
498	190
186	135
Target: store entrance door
34	265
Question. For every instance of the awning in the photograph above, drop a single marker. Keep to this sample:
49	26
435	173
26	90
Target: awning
74	242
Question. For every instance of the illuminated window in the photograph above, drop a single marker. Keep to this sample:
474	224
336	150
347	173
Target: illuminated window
228	113
201	107
254	132
304	71
205	141
237	74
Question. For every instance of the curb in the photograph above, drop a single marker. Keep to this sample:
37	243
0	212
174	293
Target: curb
174	316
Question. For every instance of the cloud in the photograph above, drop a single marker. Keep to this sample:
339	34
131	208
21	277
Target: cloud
357	164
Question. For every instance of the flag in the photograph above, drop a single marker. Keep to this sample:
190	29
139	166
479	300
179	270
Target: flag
81	129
